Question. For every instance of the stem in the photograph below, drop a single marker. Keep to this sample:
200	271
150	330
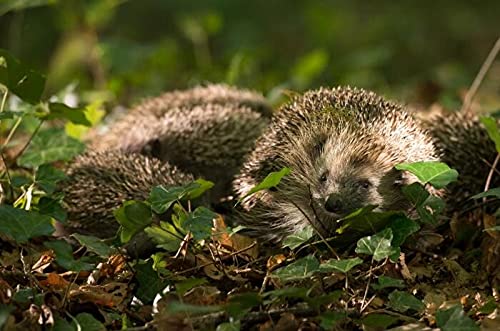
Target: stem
490	174
4	99
29	141
480	76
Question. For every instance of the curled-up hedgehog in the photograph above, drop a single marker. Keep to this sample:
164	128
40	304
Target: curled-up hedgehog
206	131
99	182
341	145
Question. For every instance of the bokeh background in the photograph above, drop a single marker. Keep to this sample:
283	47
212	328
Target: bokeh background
421	52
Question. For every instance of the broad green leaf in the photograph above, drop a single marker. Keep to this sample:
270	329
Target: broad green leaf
430	209
48	146
22	225
403	301
200	223
47	177
6	114
57	110
402	227
182	287
298	238
64	256
195	191
271	180
52	207
94	244
494	192
24	82
162	198
379	321
340	265
166	236
378	245
133	216
5	311
229	326
493	130
93	112
384	282
299	269
437	174
415	193
454	319
88	322
150	283
16	5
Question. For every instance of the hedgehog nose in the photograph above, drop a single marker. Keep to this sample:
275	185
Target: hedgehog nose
333	204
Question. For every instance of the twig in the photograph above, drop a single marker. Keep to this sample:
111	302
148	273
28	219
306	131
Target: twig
4	99
490	174
480	76
29	140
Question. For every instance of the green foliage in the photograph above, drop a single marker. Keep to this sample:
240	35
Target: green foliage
64	256
491	125
403	301
87	322
200	222
133	216
340	265
378	245
94	245
298	238
272	180
149	282
162	198
385	282
22	225
300	269
24	82
454	319
494	192
48	146
437	174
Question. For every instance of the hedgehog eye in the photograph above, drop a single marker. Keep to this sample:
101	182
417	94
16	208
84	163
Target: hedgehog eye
323	177
365	184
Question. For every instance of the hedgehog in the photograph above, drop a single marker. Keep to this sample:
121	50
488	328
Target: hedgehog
341	145
99	182
463	143
206	131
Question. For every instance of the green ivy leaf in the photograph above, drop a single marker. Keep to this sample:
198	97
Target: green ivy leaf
52	208
200	223
150	283
94	244
88	322
340	265
64	256
48	146
298	238
402	227
288	292
415	193
384	282
493	130
299	269
403	301
22	225
162	198
133	216
438	174
271	180
47	177
179	307
166	236
454	319
57	110
24	82
494	192
378	245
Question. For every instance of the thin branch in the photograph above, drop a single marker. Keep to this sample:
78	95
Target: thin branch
29	140
490	174
480	77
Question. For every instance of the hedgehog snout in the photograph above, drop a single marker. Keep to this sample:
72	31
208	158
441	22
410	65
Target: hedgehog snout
334	204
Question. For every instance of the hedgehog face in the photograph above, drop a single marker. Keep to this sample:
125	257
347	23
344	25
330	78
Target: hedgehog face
338	178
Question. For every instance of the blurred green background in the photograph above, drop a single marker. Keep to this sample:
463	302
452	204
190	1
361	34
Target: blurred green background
120	51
